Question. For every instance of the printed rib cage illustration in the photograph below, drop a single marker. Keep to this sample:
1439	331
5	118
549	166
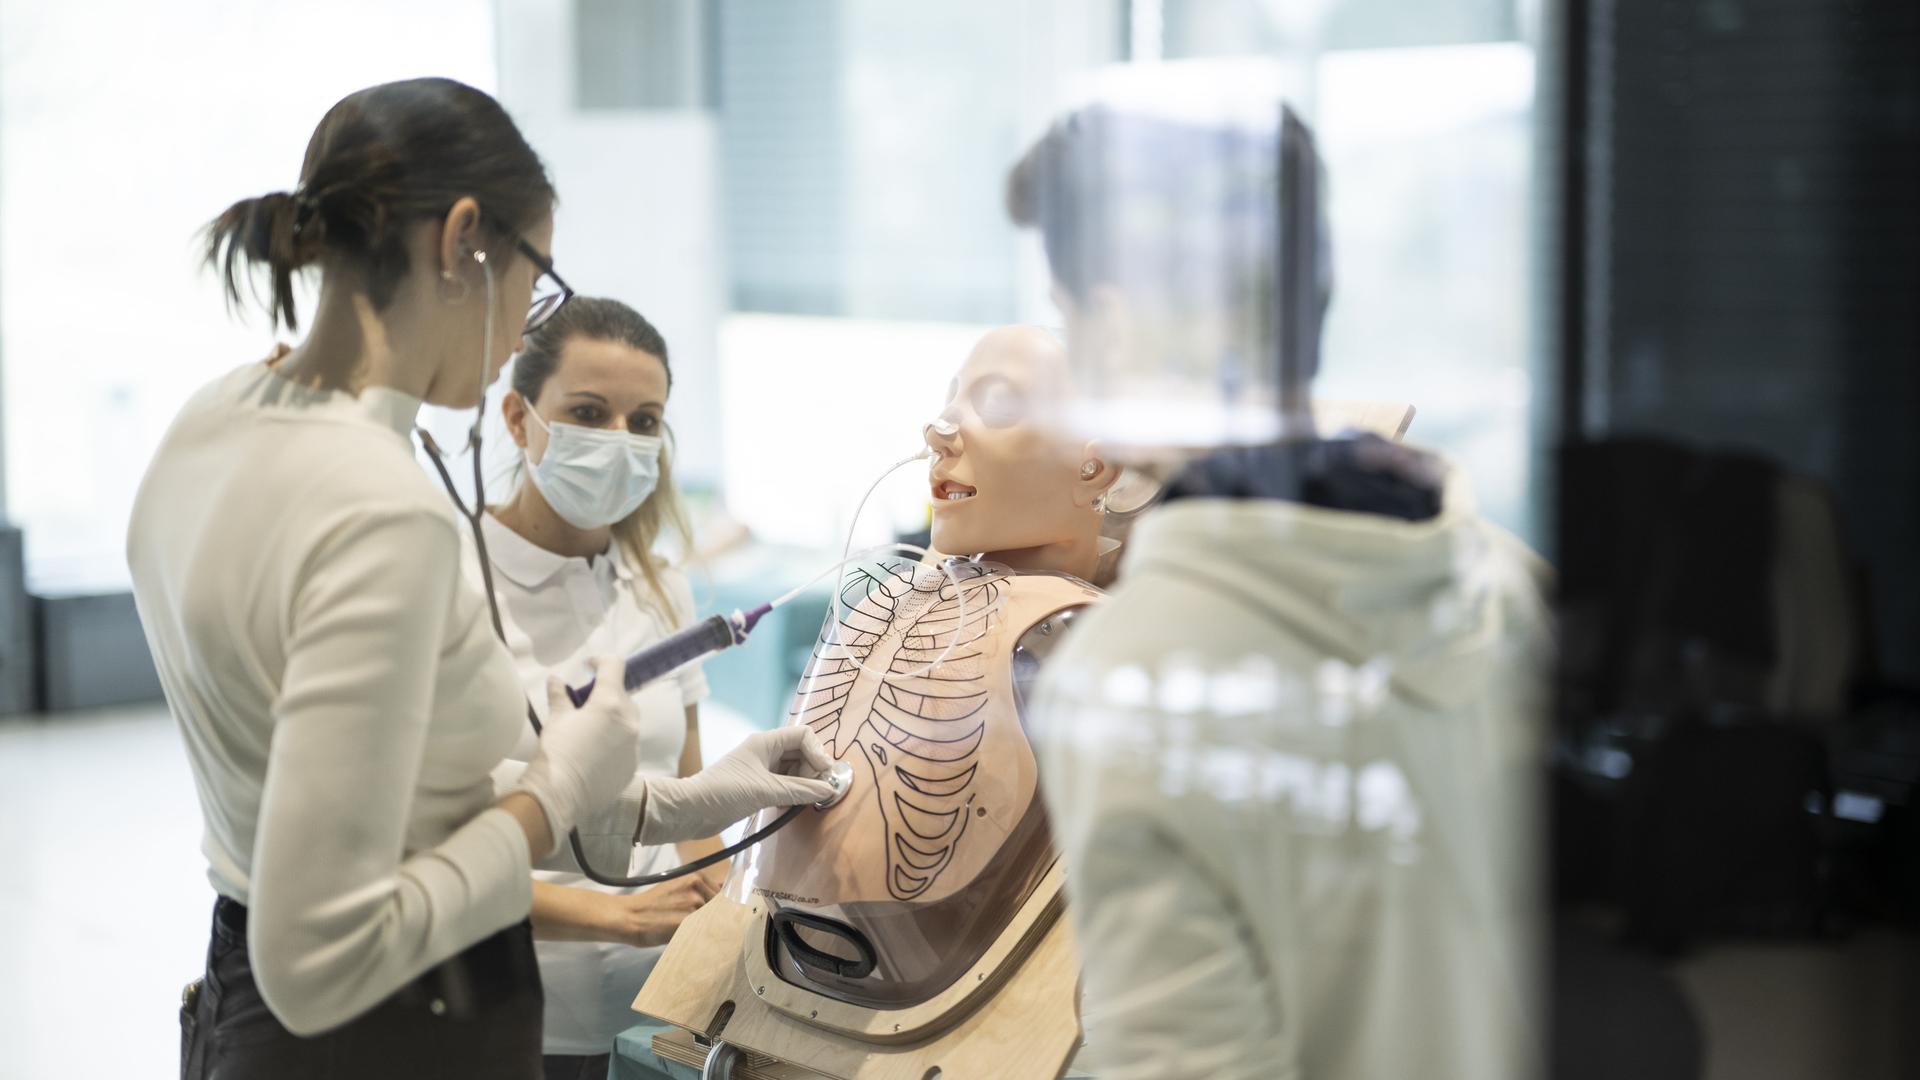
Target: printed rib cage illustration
918	733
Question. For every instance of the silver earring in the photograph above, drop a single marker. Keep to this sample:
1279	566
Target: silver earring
1088	470
446	293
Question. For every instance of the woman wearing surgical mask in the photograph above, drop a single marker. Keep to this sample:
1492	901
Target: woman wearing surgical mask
577	577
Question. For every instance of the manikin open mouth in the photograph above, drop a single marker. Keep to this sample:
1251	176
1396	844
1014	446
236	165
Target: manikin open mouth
952	491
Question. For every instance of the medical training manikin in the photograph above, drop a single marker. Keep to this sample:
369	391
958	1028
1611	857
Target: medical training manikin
886	899
892	916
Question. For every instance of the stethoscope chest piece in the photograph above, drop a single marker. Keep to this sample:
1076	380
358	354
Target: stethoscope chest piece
841	777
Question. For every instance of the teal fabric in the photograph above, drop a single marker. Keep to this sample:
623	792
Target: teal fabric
634	1059
757	679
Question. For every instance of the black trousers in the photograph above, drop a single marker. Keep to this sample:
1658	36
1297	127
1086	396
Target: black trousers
477	1015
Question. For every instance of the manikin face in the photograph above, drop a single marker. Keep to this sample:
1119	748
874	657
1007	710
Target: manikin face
1001	479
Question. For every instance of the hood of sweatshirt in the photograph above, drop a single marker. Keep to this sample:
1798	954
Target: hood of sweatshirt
1436	598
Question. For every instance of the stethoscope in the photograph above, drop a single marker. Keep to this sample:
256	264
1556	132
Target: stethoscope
473	514
712	634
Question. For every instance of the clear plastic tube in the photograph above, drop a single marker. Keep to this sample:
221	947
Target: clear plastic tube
839	605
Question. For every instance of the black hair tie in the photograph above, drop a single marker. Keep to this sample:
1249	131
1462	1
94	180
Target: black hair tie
305	207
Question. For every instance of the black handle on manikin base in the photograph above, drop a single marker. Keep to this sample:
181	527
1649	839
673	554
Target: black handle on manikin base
784	923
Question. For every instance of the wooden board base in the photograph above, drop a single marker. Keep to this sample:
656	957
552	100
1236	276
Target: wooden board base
680	1046
1026	1029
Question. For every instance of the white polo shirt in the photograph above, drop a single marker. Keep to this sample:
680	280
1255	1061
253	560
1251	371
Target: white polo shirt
559	613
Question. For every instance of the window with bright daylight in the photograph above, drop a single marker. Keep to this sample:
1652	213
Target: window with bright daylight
805	195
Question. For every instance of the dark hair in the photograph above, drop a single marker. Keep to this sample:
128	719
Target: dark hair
1188	218
1116	193
382	158
595	318
1058	187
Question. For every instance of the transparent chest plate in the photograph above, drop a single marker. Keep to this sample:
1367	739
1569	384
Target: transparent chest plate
887	896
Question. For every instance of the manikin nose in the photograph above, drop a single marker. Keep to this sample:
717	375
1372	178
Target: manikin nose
943	427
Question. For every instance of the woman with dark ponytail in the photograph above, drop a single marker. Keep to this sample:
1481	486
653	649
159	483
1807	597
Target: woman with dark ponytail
340	690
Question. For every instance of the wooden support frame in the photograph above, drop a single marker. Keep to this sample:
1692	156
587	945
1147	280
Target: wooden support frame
1016	1019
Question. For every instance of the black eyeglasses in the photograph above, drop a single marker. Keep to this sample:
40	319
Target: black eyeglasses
550	291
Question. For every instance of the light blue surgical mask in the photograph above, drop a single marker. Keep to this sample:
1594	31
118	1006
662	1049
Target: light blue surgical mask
593	477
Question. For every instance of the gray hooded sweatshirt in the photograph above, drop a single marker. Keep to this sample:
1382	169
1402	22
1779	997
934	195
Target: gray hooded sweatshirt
1289	766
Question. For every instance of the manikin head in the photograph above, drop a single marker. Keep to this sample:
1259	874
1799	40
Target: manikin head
1004	482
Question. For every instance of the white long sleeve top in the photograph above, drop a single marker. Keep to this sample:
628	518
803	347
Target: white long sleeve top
338	685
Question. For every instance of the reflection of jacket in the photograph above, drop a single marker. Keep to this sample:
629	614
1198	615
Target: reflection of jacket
1287	767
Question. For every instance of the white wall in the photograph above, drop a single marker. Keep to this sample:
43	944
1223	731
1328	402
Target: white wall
639	216
128	125
1428	155
817	407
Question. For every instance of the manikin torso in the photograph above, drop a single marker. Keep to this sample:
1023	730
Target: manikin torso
917	680
942	836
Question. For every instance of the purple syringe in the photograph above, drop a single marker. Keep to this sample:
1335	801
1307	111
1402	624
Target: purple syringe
709	635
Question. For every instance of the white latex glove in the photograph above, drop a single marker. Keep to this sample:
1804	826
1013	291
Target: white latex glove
587	755
754	776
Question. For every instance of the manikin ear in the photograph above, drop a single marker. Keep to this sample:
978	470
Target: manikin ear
1096	475
460	239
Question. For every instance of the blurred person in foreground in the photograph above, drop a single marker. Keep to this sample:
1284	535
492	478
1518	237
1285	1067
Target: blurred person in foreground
1289	762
